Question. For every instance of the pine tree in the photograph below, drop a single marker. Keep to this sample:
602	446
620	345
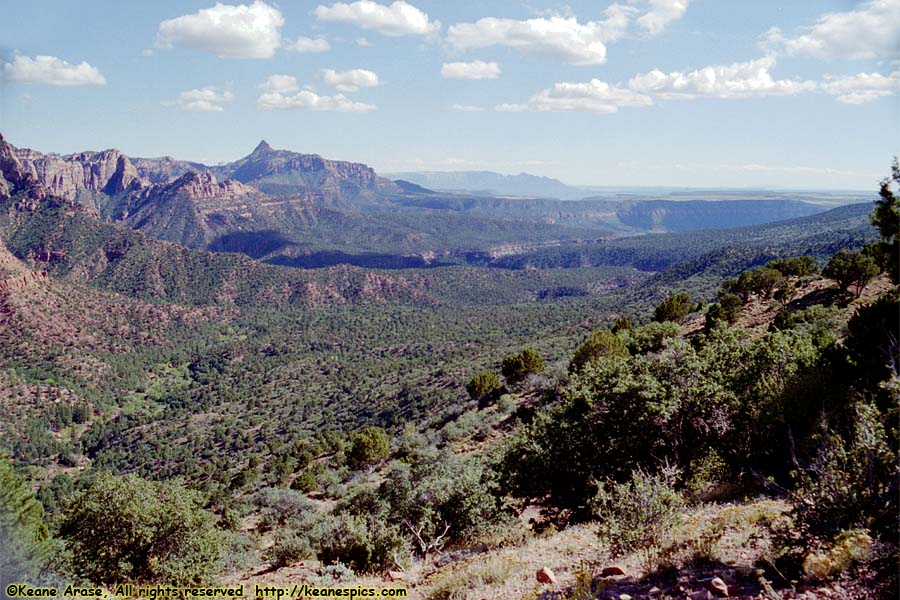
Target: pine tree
24	540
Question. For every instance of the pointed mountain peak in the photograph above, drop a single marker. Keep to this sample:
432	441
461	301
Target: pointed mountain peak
262	148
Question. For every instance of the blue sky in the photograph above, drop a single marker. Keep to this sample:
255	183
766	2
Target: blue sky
706	93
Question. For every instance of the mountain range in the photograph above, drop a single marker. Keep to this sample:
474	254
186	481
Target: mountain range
294	209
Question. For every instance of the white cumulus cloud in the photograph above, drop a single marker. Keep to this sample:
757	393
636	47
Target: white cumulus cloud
205	99
400	18
862	88
737	80
228	31
50	70
562	37
281	84
870	31
477	69
555	37
592	96
308	100
311	45
350	81
662	12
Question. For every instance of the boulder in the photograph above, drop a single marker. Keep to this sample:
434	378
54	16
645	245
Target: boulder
718	587
545	575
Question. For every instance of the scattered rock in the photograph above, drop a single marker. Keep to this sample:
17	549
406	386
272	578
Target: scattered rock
611	572
654	592
624	597
701	595
718	587
545	575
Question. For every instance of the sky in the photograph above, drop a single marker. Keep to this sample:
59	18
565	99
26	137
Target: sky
681	93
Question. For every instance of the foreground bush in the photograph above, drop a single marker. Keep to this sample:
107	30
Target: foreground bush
639	515
130	529
851	483
24	540
363	543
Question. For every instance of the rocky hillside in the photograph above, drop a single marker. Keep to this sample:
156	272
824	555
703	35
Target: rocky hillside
285	172
69	242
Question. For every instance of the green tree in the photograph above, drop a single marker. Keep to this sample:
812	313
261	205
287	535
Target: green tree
129	529
786	291
873	343
761	281
675	308
483	384
622	324
796	266
886	217
731	307
598	345
726	310
368	446
24	540
516	367
849	268
764	281
651	337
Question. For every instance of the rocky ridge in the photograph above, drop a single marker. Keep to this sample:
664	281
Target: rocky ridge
93	177
109	172
198	186
164	168
283	171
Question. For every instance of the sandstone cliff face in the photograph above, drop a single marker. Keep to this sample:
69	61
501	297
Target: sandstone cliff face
14	177
77	177
205	185
109	172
